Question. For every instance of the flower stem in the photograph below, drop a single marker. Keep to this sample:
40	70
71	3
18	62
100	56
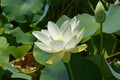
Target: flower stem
101	38
70	71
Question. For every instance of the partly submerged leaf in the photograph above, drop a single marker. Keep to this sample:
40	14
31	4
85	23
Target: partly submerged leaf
17	74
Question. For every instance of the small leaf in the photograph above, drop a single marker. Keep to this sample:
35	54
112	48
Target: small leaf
21	37
19	51
4	55
3	42
8	28
1	31
4	58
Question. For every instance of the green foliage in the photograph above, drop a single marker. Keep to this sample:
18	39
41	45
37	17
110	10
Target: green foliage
19	51
40	55
18	10
112	22
21	37
54	72
4	55
19	18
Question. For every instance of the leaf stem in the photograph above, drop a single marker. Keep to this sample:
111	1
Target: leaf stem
70	71
101	38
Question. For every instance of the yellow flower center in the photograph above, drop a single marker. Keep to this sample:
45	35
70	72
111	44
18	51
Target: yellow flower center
60	38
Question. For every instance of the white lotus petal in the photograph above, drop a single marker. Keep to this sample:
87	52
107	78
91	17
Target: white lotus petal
44	47
66	33
73	23
64	25
42	37
76	29
45	32
80	35
71	43
57	45
53	30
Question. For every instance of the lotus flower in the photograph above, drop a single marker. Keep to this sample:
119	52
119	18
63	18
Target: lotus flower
60	41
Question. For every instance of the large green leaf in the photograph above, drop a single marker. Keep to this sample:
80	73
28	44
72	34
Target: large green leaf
38	17
88	23
112	23
21	37
18	10
84	69
39	55
19	51
105	68
54	72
